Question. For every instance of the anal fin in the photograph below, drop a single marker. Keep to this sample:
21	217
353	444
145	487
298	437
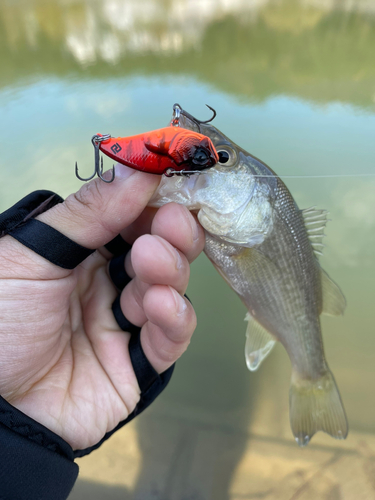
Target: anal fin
259	343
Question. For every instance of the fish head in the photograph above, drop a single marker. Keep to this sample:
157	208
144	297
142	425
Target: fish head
232	199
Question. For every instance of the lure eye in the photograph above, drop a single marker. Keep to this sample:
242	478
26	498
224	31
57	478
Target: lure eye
227	156
201	157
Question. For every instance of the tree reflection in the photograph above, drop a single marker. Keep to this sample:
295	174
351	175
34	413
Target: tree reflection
311	49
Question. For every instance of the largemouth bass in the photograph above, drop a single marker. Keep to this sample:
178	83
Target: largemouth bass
267	250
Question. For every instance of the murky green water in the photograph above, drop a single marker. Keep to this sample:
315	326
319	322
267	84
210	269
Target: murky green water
293	82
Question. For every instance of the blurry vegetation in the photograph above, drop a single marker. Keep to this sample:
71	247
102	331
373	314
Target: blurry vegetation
287	47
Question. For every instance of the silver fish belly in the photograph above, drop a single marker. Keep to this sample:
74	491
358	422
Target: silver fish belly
266	249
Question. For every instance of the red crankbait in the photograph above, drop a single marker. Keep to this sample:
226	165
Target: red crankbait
170	150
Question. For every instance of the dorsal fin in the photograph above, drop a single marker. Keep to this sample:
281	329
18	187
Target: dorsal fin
334	302
315	221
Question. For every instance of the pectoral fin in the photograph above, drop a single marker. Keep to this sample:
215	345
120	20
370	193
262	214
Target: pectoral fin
334	302
259	343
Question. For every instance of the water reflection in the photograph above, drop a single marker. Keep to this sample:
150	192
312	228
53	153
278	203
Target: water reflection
318	50
294	83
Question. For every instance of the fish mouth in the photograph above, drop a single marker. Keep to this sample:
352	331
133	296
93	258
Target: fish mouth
180	190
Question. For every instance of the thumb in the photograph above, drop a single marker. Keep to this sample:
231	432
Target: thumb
99	211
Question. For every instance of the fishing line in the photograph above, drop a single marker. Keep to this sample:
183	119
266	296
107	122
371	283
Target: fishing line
316	176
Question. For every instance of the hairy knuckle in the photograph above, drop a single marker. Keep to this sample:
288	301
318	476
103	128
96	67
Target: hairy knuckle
88	197
89	205
83	197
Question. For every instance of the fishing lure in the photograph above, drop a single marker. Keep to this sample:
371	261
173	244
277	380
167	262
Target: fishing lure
170	150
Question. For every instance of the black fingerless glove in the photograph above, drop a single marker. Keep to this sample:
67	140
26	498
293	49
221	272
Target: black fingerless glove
35	463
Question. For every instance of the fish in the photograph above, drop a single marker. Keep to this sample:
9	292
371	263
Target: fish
267	250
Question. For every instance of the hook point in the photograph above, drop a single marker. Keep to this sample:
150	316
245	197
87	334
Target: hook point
112	178
81	178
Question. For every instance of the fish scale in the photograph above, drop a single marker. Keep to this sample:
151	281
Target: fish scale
300	269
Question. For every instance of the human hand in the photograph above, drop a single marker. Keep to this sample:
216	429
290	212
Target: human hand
64	361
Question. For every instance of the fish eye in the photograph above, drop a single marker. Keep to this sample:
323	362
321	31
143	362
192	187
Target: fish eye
227	156
223	156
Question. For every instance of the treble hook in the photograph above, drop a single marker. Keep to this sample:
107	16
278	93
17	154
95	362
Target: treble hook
96	140
178	111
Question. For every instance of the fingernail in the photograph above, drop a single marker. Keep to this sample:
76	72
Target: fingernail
193	224
173	251
180	301
123	172
179	263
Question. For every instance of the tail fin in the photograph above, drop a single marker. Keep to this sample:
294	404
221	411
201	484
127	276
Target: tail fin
315	405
